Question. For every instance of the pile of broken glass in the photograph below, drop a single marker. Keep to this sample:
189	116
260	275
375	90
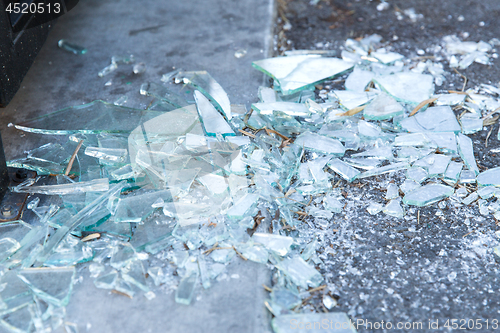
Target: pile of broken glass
202	183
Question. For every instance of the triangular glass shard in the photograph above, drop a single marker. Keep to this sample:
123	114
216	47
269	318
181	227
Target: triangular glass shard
213	122
394	209
100	117
205	83
383	107
296	73
54	285
407	87
427	195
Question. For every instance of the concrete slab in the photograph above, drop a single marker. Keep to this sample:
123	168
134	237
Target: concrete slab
194	35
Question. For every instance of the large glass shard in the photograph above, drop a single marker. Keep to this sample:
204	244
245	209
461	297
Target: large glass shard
434	119
385	169
99	117
42	282
383	107
427	195
291	109
205	83
243	206
296	73
185	289
212	121
135	208
163	93
41	167
471	123
435	164
466	151
358	79
50	152
337	322
407	87
351	99
489	177
279	244
320	143
97	185
417	174
76	220
343	169
300	272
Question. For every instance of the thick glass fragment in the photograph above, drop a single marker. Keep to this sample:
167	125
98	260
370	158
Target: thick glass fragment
70	47
488	192
99	117
97	185
385	169
466	151
467	177
337	322
276	243
108	69
295	73
392	192
434	119
206	84
383	107
320	143
427	195
300	272
343	169
40	281
291	109
407	87
470	198
185	289
489	177
212	121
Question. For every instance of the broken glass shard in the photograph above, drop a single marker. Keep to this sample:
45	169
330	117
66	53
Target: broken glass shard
38	280
374	208
100	117
206	84
470	198
352	99
417	174
408	186
386	57
434	119
435	164
279	244
139	68
291	109
383	107
367	129
427	195
466	151
407	87
108	69
107	281
392	192
243	207
70	47
467	177
185	289
394	209
489	177
163	93
295	73
453	172
109	154
343	169
300	272
471	123
385	169
50	152
97	185
320	143
253	252
211	119
358	79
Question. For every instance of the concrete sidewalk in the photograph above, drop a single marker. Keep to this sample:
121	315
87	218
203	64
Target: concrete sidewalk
193	35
